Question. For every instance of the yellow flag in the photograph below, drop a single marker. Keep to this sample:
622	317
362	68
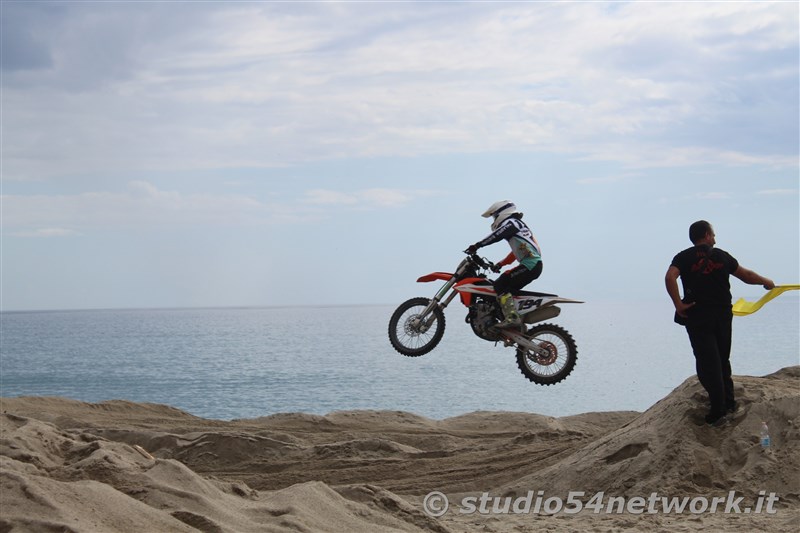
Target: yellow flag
741	307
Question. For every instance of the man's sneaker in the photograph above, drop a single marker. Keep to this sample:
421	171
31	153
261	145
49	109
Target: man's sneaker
716	419
732	407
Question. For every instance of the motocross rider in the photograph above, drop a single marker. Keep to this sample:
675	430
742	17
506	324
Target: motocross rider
508	225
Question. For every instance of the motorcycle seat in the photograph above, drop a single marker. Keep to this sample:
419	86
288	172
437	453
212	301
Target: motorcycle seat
531	293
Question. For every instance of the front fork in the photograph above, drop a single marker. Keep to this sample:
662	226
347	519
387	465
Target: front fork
425	319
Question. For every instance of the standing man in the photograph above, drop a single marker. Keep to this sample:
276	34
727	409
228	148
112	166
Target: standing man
706	308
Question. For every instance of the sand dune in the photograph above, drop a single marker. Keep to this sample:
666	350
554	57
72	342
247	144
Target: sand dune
120	466
669	448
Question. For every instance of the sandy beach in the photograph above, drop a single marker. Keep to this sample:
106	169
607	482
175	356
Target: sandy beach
119	466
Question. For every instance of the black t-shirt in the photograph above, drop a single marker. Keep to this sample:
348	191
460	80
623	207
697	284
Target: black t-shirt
705	274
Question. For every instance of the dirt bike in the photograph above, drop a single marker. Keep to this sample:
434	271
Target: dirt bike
546	353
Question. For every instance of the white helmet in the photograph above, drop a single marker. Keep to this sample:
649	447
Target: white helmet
500	211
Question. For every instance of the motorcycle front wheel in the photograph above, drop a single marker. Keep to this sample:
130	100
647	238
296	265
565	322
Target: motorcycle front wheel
558	361
411	336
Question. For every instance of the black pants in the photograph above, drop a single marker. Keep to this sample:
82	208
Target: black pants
515	279
711	343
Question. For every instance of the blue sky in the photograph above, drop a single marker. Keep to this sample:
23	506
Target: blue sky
224	154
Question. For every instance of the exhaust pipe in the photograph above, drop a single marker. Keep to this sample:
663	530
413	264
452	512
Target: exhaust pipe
541	314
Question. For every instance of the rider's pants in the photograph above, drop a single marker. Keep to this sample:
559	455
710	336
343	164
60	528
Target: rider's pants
515	279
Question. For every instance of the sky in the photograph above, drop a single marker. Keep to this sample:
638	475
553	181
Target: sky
183	154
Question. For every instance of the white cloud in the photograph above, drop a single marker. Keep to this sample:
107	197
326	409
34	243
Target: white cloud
260	85
366	198
391	197
778	192
328	197
47	233
614	178
142	204
713	196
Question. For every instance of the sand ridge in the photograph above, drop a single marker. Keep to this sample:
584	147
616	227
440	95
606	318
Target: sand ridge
67	465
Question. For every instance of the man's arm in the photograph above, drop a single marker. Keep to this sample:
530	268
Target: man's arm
752	278
507	260
503	232
671	281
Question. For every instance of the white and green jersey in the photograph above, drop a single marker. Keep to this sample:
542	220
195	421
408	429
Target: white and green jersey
519	237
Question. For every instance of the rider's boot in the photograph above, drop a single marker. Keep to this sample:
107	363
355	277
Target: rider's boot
506	301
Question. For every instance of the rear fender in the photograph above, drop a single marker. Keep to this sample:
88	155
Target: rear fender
530	303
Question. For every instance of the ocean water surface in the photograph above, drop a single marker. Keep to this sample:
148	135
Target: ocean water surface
248	362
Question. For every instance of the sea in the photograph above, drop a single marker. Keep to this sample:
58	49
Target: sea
240	363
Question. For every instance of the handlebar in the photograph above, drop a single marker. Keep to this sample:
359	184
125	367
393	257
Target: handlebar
482	262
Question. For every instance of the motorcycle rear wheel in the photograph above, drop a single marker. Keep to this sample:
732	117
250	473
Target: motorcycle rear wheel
410	340
557	365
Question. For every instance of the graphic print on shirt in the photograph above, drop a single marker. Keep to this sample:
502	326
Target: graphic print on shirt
706	265
520	238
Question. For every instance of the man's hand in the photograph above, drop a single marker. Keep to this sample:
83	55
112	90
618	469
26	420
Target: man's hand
682	308
671	280
473	248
